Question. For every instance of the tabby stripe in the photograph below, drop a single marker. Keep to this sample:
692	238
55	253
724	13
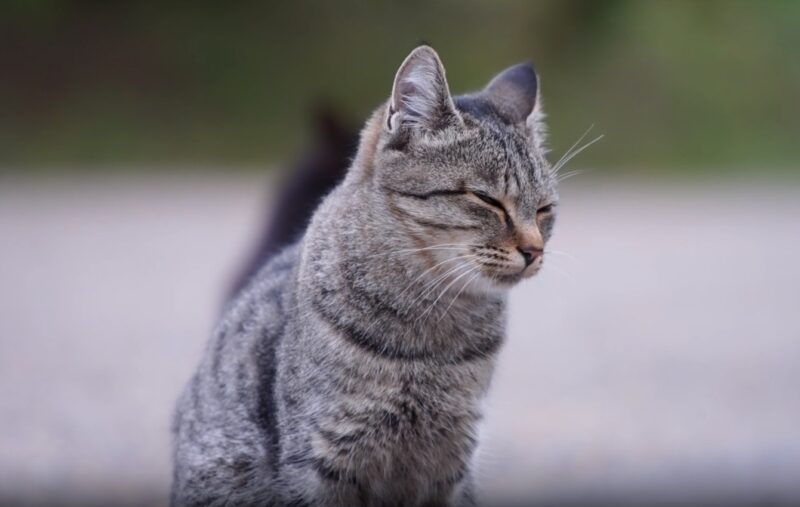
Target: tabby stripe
434	225
495	256
300	459
516	179
340	438
494	264
425	195
445	227
373	345
361	339
267	407
362	296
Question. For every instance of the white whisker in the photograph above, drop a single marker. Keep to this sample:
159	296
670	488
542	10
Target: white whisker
562	253
425	313
569	174
560	271
476	275
431	286
575	153
441	279
449	259
569	150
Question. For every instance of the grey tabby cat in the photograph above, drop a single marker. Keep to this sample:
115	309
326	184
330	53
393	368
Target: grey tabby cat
352	369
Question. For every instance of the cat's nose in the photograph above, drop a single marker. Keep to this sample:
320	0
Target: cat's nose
530	244
529	254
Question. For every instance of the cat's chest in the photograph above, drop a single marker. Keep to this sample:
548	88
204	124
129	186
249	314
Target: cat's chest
416	424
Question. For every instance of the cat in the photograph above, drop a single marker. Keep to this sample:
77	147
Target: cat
352	368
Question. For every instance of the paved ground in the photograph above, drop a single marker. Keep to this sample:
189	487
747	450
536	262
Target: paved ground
660	360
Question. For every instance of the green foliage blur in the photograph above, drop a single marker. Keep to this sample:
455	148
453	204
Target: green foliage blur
674	85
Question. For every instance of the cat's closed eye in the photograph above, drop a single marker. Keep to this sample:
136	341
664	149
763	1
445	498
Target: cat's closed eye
545	209
497	205
491	201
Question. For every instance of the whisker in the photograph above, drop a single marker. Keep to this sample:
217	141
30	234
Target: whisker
308	305
564	254
427	289
441	279
437	281
569	174
576	153
569	150
561	272
426	312
449	259
476	275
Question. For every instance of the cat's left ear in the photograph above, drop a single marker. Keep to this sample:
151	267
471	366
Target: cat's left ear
420	96
515	95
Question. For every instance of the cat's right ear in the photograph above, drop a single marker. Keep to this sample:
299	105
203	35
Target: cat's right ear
420	96
515	96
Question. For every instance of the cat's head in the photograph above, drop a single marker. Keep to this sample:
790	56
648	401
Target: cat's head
465	176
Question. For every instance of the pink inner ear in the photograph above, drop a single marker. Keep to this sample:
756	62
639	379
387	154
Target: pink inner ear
420	94
389	116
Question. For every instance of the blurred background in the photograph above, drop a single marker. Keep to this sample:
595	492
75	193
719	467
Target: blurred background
143	146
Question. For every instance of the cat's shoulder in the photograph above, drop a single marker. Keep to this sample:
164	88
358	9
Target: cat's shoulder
266	293
272	275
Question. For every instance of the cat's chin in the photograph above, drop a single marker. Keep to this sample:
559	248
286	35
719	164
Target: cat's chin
530	271
497	283
505	281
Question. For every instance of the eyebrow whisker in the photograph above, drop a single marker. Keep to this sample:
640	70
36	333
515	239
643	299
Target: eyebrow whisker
569	150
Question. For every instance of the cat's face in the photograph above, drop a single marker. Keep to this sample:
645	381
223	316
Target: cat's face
467	177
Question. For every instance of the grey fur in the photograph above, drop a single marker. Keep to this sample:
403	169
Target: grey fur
352	370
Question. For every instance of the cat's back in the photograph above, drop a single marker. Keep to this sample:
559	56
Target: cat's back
225	431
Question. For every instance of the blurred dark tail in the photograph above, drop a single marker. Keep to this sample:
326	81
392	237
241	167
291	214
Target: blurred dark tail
315	172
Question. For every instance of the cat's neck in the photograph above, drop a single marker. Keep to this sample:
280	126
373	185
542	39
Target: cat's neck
352	269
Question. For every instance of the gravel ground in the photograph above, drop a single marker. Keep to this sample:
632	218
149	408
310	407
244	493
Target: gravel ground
659	359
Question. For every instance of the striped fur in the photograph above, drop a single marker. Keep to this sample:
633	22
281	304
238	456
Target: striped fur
352	369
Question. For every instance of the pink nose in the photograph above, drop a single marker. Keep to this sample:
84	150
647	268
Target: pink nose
529	253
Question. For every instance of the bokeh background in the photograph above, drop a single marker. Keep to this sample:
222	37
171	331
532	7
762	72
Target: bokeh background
674	84
656	359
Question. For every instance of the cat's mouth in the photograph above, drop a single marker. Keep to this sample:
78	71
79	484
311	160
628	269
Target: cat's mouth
533	268
507	278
